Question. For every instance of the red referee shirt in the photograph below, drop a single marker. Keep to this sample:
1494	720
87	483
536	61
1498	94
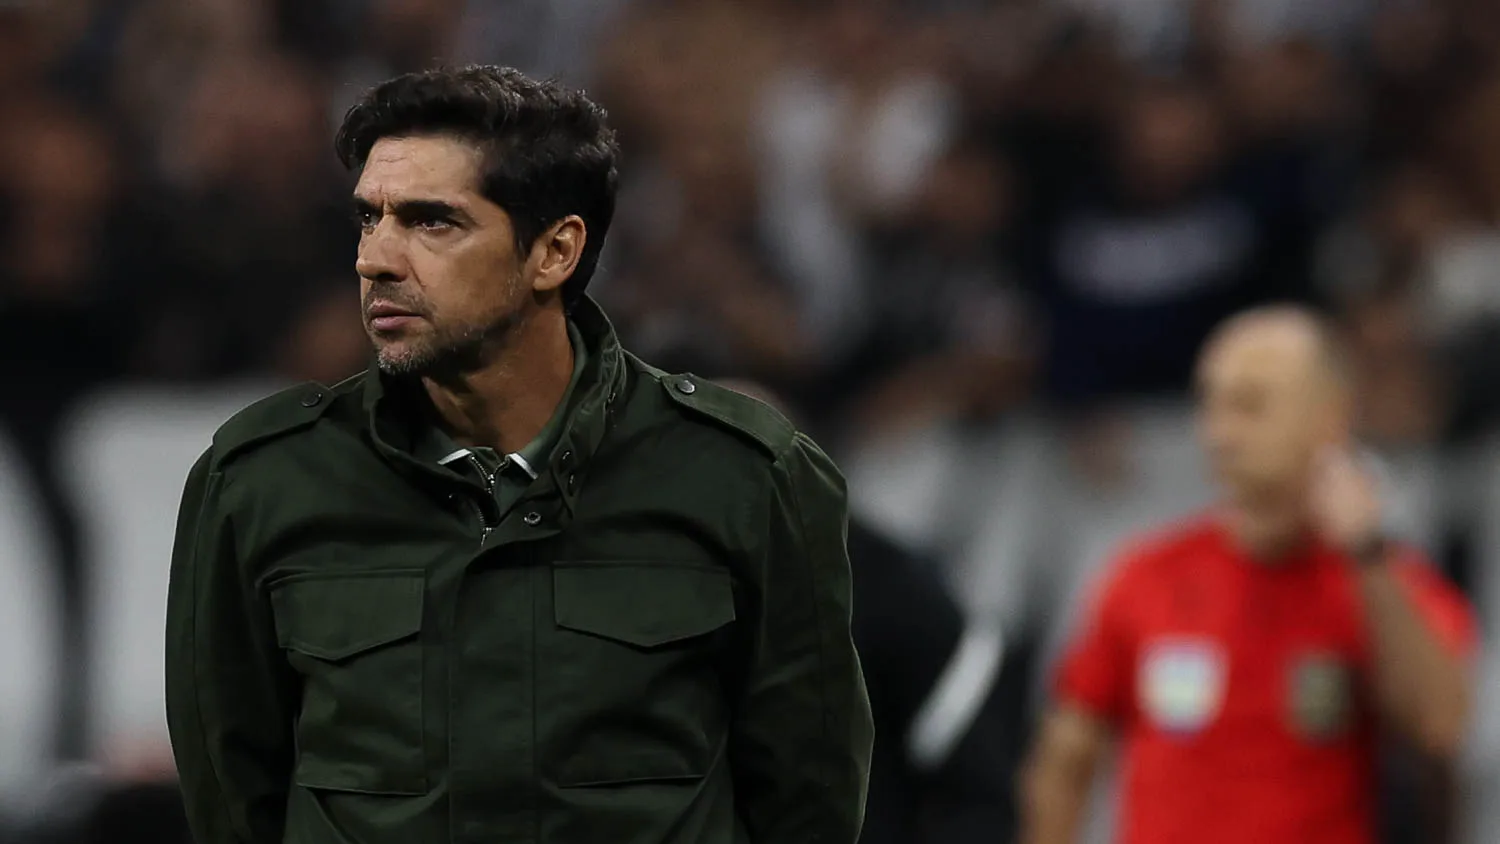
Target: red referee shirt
1241	691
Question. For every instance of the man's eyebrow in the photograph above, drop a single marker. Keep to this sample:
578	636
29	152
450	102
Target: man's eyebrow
412	208
425	209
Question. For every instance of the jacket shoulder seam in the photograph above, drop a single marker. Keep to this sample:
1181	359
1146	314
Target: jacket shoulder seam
269	419
747	416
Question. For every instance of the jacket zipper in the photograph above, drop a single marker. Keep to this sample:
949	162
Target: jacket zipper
489	490
484	524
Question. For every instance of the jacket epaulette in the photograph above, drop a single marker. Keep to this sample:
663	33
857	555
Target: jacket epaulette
743	414
272	417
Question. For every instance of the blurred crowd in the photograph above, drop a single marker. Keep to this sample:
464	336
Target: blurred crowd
911	219
887	210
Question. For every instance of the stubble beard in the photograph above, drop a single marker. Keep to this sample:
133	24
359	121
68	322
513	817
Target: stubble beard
451	352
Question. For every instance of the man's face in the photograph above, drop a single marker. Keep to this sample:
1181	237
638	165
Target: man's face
1263	416
1170	140
441	281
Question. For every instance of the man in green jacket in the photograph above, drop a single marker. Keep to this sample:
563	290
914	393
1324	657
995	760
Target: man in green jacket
512	585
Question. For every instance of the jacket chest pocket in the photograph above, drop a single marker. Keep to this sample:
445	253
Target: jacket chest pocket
629	674
354	638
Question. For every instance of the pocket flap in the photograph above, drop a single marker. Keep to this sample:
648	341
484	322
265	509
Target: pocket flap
334	617
641	604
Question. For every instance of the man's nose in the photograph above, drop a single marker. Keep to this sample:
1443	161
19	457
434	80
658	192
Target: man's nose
381	256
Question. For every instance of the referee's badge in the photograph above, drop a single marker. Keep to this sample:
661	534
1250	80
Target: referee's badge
1320	696
1181	683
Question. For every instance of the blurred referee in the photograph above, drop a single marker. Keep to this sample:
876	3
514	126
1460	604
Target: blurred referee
1250	658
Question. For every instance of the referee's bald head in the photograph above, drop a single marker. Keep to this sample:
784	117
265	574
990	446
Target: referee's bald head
1299	336
1276	389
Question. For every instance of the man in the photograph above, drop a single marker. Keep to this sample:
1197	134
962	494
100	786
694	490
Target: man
512	584
1245	659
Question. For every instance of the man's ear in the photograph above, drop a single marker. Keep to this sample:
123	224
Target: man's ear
1340	418
556	253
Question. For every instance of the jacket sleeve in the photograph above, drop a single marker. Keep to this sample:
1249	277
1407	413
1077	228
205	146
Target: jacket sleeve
801	741
231	697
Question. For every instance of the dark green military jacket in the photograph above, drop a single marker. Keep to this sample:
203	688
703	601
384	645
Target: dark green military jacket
651	647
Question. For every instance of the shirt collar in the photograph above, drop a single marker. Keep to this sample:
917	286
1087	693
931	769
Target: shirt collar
514	457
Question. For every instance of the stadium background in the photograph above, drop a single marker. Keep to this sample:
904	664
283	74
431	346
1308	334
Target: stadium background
973	244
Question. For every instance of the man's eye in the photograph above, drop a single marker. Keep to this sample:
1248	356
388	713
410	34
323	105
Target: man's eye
366	220
434	224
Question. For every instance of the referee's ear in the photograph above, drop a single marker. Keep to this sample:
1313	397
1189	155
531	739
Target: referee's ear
1338	382
1340	415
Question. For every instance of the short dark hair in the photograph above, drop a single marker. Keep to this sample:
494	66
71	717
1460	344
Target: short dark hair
548	149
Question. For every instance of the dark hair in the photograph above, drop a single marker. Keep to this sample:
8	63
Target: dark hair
548	149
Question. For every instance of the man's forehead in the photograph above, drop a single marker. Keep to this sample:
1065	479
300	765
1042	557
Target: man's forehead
1260	362
425	167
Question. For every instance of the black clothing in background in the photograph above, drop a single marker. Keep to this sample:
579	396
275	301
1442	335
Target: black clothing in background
908	629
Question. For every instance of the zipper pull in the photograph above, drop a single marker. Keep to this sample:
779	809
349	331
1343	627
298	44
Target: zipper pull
484	524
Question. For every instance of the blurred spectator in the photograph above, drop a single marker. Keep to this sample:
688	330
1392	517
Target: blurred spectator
165	45
1420	67
251	201
22	50
545	38
69	321
1140	259
1400	402
698	290
667	66
849	130
942	776
398	36
1164	33
326	342
948	333
61	281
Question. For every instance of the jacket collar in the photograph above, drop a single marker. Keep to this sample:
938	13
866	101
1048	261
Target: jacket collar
393	405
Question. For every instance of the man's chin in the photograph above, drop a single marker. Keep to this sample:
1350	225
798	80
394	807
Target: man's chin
441	362
438	354
1254	493
402	362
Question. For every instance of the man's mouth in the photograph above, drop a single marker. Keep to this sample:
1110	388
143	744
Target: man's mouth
388	316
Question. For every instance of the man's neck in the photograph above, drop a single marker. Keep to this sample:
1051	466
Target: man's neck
1267	532
506	404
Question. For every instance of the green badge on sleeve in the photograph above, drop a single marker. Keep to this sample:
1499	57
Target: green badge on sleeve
1321	696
